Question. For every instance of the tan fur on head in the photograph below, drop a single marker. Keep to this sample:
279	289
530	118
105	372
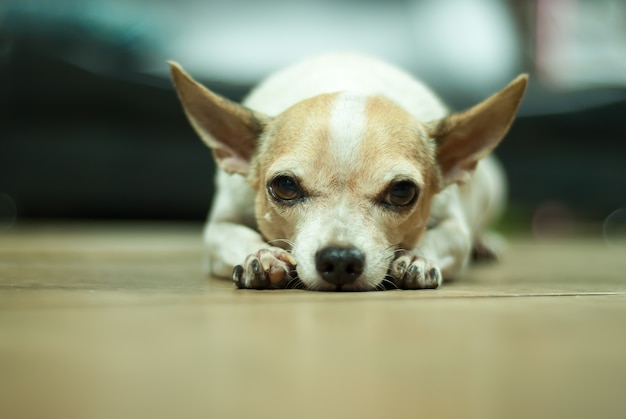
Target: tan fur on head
297	142
301	127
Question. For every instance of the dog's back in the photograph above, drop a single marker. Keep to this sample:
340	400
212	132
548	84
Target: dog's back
345	72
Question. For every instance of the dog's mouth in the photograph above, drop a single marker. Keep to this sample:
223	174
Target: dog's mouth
342	265
297	284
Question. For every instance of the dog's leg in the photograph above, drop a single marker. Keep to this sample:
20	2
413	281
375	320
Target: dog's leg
448	245
227	244
231	240
242	254
443	253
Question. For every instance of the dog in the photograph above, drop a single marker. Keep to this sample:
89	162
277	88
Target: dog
345	173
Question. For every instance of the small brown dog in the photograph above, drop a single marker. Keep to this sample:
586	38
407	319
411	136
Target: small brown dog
348	174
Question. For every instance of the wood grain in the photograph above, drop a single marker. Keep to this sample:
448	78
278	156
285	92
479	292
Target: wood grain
116	320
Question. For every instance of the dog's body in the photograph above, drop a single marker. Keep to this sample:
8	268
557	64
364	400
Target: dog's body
350	173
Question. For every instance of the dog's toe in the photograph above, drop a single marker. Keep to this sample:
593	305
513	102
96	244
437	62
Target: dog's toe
415	276
265	269
256	276
414	272
238	276
433	278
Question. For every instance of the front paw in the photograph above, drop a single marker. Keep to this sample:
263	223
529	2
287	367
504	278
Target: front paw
412	272
266	269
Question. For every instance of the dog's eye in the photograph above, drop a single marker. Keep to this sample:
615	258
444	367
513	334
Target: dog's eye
285	188
402	194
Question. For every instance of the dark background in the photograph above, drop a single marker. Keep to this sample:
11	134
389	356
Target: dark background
90	126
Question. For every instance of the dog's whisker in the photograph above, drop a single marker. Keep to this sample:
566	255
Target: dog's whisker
388	280
295	283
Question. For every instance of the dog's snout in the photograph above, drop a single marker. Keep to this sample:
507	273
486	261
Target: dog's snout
339	265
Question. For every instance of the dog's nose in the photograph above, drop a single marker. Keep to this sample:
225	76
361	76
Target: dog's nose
339	265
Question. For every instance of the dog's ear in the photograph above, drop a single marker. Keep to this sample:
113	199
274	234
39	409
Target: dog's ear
231	130
466	137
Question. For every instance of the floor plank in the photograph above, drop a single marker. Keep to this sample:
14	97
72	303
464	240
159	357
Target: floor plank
116	320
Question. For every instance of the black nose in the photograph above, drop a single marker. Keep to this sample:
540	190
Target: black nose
339	265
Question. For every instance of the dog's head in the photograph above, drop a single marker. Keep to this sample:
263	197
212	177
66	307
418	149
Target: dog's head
345	179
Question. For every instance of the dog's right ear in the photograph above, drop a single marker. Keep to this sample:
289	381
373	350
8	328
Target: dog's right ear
466	137
231	130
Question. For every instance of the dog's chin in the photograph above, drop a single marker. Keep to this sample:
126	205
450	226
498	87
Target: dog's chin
372	277
360	285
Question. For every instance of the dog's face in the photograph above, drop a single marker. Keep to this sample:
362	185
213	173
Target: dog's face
345	180
345	172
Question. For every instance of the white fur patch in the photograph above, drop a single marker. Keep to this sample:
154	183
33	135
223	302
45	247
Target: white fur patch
347	125
341	225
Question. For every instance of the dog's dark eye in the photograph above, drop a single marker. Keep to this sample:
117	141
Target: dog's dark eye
285	188
402	194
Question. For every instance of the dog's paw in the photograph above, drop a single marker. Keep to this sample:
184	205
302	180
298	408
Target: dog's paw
266	269
412	272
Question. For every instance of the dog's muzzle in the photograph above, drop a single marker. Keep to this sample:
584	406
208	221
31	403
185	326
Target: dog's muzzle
339	265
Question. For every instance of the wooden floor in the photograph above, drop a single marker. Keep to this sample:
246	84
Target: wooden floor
117	321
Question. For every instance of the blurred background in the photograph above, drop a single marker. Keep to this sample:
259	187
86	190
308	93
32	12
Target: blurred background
90	126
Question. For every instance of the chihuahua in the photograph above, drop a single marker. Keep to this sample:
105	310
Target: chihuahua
343	172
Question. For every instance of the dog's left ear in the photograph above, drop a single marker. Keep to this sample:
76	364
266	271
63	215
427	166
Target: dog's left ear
229	129
466	137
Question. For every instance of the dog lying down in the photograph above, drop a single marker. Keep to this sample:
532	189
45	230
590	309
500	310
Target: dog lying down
345	173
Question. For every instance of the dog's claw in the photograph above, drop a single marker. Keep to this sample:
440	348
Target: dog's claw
409	271
434	274
401	268
256	267
265	269
238	275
